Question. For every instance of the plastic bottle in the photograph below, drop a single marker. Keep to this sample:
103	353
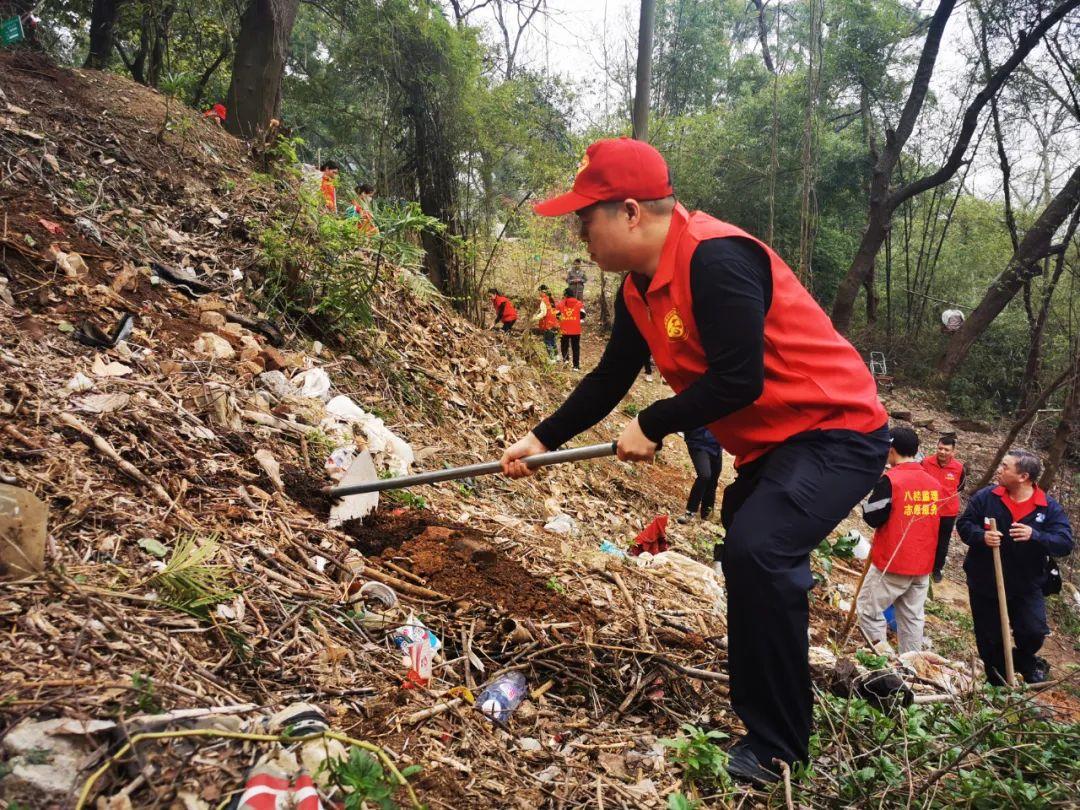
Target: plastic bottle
502	696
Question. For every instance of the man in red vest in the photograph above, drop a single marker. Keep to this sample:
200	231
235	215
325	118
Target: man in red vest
505	311
949	472
570	315
749	353
904	511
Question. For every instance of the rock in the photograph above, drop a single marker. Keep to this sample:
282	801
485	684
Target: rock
210	303
215	320
252	354
234	329
250	367
276	385
972	425
529	744
214	346
273	359
924	423
904	416
45	766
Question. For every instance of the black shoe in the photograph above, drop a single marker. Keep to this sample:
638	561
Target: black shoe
1040	673
744	766
936	576
685	518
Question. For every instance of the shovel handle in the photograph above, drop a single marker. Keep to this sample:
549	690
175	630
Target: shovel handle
487	468
1003	609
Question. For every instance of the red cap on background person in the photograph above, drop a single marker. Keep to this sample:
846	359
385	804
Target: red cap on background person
613	169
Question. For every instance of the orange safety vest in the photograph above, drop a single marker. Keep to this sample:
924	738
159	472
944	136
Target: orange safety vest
329	192
550	320
907	542
948	478
570	316
509	313
814	378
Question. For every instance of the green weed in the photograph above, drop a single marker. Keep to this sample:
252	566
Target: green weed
364	781
703	762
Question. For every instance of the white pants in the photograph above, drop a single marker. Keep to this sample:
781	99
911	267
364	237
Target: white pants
907	594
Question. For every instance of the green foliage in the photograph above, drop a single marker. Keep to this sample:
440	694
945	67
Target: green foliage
364	781
406	498
871	661
145	697
553	584
679	801
190	581
631	410
701	759
997	750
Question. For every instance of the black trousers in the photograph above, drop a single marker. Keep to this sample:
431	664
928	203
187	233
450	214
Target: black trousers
945	527
568	342
508	325
777	511
1027	617
703	492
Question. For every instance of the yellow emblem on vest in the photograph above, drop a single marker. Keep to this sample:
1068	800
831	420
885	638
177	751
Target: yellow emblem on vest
674	326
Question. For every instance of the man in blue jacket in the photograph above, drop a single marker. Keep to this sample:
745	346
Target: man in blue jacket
1031	527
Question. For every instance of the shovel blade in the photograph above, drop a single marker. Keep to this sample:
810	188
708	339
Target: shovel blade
361	471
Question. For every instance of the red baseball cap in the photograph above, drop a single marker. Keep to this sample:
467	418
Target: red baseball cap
613	169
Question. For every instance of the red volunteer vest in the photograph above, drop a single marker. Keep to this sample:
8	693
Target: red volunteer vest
570	316
907	542
948	478
509	313
814	378
550	319
329	192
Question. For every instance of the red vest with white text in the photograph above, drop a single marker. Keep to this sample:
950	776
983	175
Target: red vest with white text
907	542
814	378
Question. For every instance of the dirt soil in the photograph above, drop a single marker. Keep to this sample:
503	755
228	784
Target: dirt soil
504	583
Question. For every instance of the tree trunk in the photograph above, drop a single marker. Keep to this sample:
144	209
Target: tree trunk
883	207
1023	419
1034	358
1024	264
1055	458
763	36
644	70
158	42
102	21
261	47
204	79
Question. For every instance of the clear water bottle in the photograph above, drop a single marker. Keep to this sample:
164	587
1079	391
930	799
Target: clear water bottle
502	696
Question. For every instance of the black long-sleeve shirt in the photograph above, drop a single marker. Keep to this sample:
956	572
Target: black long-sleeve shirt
731	286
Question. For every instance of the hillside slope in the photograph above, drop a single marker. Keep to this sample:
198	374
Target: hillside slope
176	443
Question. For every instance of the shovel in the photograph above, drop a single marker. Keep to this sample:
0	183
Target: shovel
358	492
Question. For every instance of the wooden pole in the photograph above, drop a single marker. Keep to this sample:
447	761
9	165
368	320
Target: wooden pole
849	623
1003	609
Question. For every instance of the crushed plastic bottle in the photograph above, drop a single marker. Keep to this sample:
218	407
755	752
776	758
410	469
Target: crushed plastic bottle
502	696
